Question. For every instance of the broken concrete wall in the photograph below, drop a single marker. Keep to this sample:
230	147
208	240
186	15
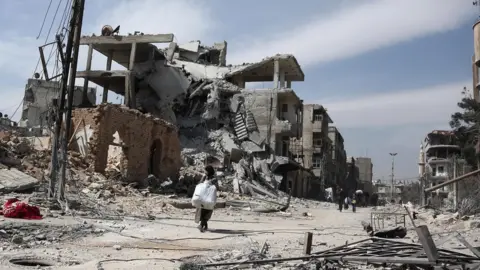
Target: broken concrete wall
263	105
149	145
38	100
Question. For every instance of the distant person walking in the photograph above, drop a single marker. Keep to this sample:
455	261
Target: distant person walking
341	197
203	215
354	203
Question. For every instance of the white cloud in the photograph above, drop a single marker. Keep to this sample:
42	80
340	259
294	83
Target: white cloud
187	19
432	105
359	29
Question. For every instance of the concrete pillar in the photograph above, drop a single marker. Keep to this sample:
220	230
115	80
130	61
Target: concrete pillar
282	79
133	52
85	100
276	73
109	67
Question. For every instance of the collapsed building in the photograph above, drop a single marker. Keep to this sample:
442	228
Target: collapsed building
185	108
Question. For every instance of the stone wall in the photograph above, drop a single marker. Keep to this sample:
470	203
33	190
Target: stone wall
149	145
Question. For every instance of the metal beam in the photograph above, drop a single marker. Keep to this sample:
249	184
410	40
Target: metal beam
454	180
114	40
44	63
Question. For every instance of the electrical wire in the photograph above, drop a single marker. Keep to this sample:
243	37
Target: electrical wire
44	19
49	31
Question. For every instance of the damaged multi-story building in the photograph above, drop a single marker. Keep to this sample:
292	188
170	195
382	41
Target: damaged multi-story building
438	154
338	156
365	173
317	145
186	97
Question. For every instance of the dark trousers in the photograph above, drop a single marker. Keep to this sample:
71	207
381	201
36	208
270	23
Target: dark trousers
340	204
205	216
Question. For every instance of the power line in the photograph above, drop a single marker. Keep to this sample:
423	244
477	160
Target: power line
50	28
44	19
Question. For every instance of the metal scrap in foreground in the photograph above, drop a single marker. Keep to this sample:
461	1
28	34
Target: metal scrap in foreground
377	251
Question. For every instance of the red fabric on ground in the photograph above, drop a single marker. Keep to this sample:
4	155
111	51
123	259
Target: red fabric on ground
14	208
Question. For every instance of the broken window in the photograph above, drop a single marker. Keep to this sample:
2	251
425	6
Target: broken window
285	145
316	161
29	96
317	139
317	115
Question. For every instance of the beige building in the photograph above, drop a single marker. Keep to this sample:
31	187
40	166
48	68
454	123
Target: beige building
315	141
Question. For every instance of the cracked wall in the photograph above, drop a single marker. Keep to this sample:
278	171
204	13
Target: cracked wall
147	145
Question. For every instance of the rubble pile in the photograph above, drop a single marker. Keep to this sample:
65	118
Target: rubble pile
215	124
18	152
33	235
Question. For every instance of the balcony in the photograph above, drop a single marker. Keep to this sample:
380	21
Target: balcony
317	126
285	127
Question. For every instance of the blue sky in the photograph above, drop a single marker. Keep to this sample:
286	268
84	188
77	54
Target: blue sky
388	71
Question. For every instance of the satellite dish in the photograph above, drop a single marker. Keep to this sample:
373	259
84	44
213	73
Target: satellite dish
107	30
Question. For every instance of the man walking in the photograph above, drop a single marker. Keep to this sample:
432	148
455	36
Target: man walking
203	215
341	197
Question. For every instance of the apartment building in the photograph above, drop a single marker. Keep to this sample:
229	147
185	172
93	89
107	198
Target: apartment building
438	150
338	156
316	143
365	173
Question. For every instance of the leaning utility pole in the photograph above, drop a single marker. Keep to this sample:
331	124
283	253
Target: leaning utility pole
79	7
61	107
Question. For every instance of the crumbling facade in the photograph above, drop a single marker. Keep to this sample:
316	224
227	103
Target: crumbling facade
439	152
41	97
138	144
351	182
277	114
365	173
316	145
339	156
246	133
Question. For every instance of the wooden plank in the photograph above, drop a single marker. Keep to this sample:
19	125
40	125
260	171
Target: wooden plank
307	245
105	40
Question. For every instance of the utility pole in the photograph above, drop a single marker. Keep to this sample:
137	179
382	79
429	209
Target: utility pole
455	185
78	15
393	175
61	106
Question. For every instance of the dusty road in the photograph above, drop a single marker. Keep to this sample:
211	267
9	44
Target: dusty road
174	235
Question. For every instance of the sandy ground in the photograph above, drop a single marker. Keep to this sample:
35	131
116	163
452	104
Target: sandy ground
176	236
157	244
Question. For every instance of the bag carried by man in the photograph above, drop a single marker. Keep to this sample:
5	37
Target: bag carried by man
205	196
